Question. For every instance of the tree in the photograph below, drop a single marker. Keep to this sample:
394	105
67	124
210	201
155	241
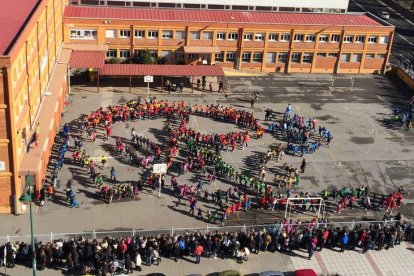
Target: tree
145	57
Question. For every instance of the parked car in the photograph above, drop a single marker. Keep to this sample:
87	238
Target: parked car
230	273
271	273
385	15
305	272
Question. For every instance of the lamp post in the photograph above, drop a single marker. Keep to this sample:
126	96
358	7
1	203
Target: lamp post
28	198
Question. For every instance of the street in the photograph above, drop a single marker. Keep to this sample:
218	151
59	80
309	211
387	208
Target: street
402	19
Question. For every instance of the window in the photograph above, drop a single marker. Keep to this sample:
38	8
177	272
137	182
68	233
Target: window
231	56
360	39
167	34
219	56
124	33
257	57
195	35
356	57
111	53
166	54
380	56
310	38
348	39
124	53
372	39
273	37
207	35
221	36
307	57
248	36
384	39
139	33
335	38
110	33
153	54
285	37
246	56
346	57
298	37
283	57
333	55
296	57
83	34
179	55
233	36
180	35
323	38
152	34
192	56
271	58
259	37
369	55
321	54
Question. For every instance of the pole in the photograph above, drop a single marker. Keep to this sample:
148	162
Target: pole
148	89
31	234
287	204
320	205
159	186
68	72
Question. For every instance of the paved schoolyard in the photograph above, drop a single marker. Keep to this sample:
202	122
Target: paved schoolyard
364	151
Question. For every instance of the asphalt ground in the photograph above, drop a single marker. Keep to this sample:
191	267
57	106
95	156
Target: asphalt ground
364	151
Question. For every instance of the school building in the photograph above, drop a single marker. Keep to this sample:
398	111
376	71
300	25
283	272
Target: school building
40	38
264	41
30	43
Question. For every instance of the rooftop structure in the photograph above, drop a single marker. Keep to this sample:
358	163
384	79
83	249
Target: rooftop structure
108	13
318	6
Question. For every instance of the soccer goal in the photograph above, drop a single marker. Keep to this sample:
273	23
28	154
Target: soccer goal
247	84
342	83
317	202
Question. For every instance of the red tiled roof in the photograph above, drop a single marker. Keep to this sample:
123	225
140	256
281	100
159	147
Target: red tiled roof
219	16
161	70
13	17
87	59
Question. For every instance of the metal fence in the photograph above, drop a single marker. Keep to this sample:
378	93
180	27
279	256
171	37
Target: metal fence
50	237
406	65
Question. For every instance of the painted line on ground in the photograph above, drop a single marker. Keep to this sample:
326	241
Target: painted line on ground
321	263
403	38
373	264
391	9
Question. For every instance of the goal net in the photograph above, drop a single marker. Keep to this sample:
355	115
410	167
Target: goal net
343	83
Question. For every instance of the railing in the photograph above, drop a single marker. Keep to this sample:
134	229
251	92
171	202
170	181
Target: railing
179	231
406	65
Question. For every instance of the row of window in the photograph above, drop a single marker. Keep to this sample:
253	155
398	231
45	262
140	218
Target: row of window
250	56
208	35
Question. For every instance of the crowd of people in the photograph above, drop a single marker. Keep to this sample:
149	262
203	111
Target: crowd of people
128	254
299	133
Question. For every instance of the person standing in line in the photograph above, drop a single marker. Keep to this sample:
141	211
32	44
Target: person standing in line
198	252
311	250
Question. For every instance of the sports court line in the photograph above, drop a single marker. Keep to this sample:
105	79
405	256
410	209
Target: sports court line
373	264
321	263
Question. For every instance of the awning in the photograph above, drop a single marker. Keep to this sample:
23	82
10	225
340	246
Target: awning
161	70
201	49
87	59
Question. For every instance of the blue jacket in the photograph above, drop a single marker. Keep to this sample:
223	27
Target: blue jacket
344	239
